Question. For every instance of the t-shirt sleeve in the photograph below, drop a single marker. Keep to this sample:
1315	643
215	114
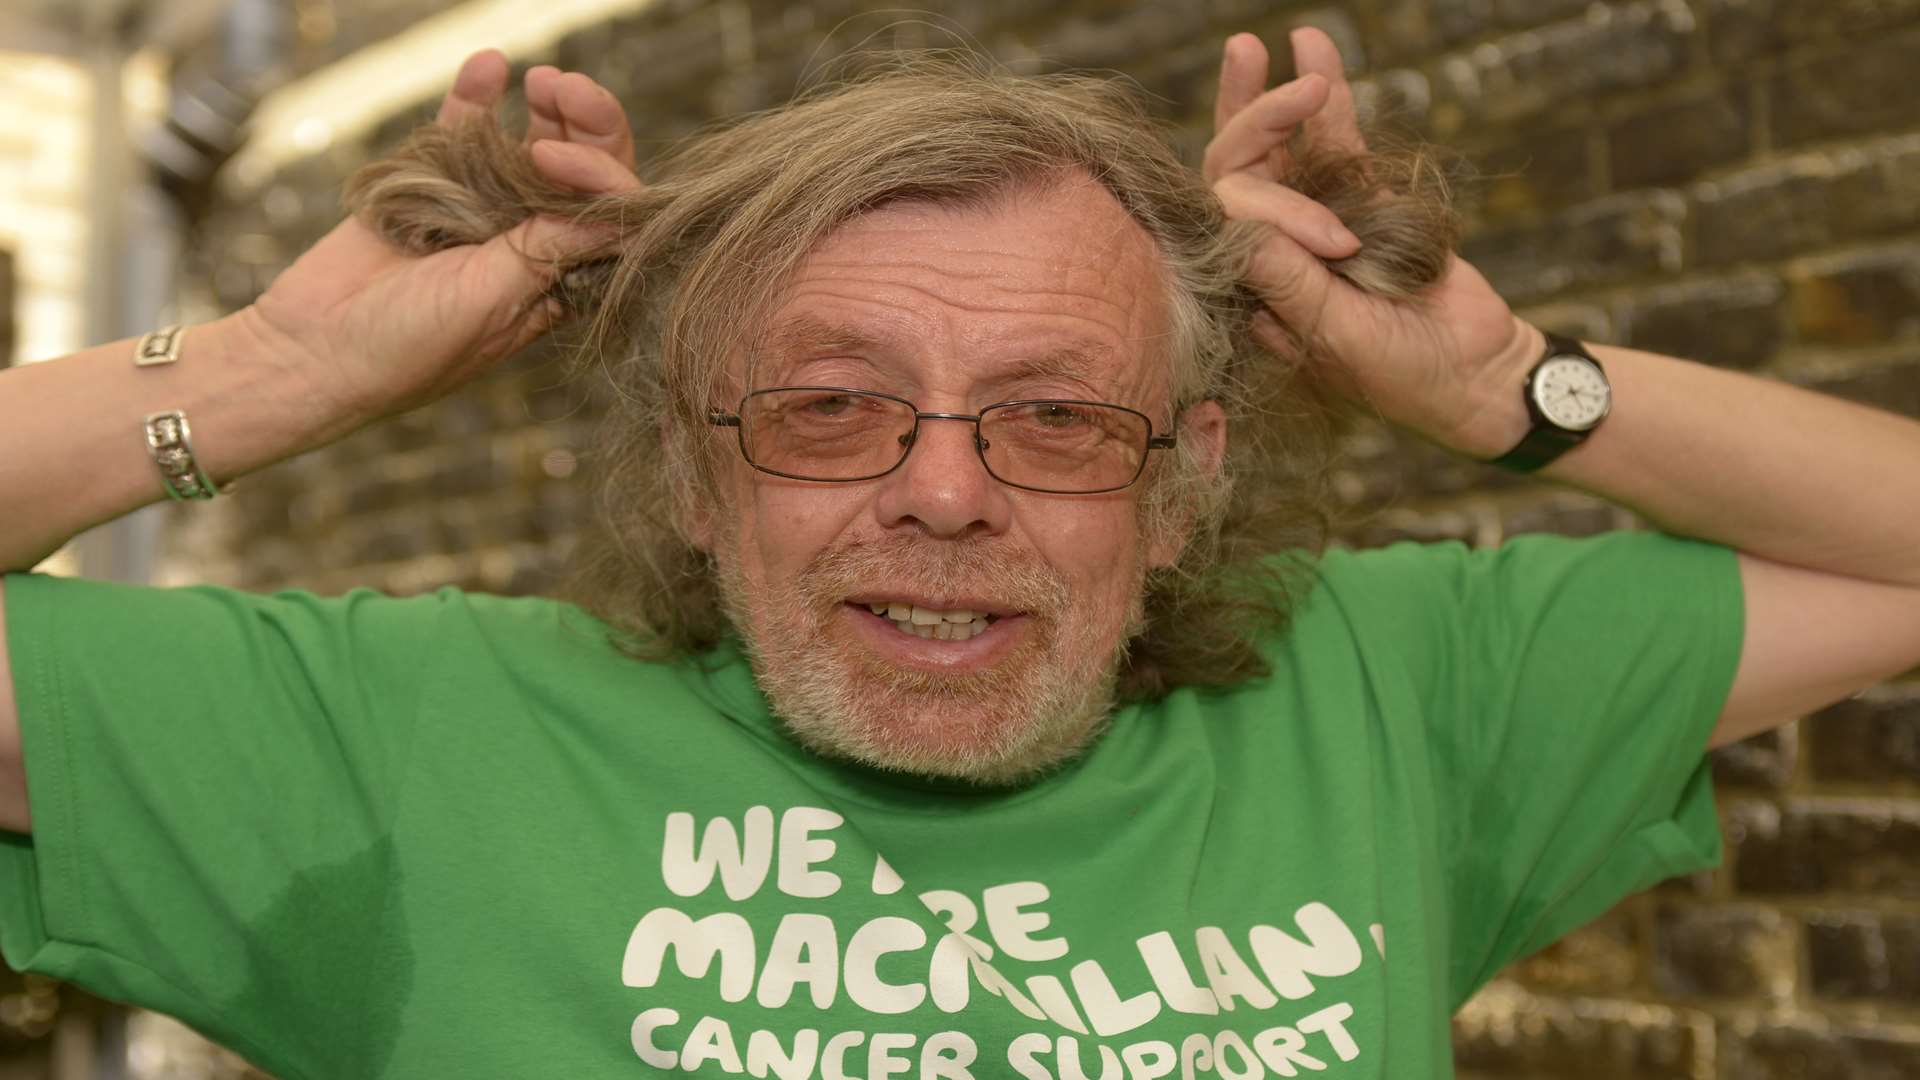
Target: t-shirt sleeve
1568	688
207	769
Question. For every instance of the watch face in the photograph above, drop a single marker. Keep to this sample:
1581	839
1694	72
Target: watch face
1572	392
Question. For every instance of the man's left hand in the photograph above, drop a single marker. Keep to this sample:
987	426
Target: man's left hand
1447	363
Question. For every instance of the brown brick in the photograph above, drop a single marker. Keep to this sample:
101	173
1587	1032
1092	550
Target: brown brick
1399	30
371	493
1764	761
1585	322
1383	464
1741	952
1681	138
1737	31
478	472
1455	21
1535	172
1864	954
1830	846
1872	739
1507	1033
643	57
1568	63
1879	190
394	538
1765	211
1398	101
1603	241
1731	322
1459	20
1798	20
1422	526
1895	386
1563	513
1602	957
1742	30
1525	13
1807	202
1863	88
1859	298
1110	38
1749	1051
413	430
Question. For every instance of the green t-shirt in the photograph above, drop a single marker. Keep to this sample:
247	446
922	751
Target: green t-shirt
460	835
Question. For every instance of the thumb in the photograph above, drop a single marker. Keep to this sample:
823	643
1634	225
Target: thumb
529	258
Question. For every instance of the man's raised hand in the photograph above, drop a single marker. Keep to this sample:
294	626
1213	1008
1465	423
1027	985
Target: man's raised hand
1440	363
377	331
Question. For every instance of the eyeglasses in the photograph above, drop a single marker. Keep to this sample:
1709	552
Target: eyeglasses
834	434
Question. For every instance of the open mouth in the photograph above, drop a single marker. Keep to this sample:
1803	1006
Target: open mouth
937	624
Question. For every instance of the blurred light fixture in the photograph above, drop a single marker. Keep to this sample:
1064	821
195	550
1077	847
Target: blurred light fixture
413	67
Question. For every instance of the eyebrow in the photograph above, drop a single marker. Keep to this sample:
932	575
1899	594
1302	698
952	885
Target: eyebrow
791	338
806	333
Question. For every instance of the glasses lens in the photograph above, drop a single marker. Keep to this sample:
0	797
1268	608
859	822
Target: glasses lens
824	434
1065	446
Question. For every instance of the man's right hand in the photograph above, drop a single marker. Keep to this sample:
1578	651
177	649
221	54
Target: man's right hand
375	331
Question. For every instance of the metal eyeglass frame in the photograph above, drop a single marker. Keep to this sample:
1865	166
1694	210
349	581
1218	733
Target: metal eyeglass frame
721	418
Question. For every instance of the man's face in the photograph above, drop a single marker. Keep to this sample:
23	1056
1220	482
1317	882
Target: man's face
1049	292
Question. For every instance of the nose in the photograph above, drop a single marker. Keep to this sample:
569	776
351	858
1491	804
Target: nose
943	487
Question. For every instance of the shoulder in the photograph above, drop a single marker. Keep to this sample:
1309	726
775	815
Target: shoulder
361	620
1405	570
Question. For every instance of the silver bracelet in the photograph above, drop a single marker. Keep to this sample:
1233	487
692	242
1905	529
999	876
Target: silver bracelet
160	346
168	440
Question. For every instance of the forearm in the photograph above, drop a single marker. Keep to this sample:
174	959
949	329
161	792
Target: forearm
1776	471
73	452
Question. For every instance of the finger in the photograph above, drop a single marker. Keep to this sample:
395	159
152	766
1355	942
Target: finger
593	116
1307	222
1291	278
1243	75
1264	126
543	106
1283	343
1293	283
527	259
583	168
1337	127
478	87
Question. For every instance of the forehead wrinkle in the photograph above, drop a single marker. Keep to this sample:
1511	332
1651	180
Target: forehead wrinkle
809	333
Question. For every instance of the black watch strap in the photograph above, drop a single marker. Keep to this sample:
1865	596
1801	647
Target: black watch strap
1541	445
1546	440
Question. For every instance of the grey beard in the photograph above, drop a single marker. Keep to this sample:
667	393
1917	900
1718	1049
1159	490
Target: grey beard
1038	707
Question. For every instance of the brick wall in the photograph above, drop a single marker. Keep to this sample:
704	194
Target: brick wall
1736	181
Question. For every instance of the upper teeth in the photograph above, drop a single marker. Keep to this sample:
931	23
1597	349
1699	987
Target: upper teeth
957	625
921	616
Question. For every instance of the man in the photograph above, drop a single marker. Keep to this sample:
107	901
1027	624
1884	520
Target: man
939	795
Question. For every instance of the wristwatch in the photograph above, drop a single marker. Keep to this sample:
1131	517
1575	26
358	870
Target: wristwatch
1567	395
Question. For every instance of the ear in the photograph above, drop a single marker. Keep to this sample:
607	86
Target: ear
696	522
1203	432
1205	426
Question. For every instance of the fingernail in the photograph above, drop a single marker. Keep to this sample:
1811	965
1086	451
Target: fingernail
1341	236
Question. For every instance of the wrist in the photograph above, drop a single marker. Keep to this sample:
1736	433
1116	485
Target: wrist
1495	418
300	383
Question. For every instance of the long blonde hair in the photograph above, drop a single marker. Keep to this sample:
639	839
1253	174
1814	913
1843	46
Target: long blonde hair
694	258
